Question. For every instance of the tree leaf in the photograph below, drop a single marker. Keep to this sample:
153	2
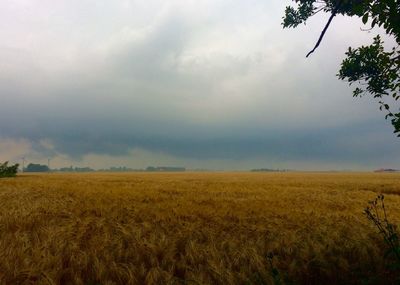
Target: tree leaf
365	18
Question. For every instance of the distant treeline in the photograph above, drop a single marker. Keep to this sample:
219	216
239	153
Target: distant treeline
269	170
74	169
148	169
32	167
387	170
165	168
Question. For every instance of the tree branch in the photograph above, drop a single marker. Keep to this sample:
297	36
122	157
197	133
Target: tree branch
334	12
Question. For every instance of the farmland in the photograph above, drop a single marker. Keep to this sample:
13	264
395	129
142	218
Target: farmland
192	228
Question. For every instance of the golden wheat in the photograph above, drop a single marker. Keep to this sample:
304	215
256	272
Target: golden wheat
200	228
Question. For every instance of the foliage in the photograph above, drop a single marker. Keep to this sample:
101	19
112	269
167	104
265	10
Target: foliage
376	212
8	171
383	13
379	69
372	65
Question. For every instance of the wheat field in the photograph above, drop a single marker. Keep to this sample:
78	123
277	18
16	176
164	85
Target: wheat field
192	228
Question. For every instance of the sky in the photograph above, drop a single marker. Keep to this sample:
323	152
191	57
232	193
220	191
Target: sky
215	84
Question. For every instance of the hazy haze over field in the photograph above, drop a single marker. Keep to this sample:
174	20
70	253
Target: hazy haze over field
201	84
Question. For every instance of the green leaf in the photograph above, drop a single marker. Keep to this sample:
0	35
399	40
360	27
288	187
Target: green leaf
373	23
365	18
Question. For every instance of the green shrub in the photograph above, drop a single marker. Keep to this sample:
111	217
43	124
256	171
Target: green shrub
376	213
8	171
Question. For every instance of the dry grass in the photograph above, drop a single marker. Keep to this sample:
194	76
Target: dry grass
190	228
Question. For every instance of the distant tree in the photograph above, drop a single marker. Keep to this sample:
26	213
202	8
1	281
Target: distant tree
36	168
165	169
8	171
83	169
66	169
375	70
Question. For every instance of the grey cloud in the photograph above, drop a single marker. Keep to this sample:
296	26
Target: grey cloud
333	145
191	83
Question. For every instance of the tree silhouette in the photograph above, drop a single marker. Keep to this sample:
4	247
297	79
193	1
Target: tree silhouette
373	69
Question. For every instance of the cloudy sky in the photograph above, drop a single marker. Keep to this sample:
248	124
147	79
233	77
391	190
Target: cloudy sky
203	84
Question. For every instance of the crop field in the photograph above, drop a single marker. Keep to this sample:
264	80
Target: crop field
192	228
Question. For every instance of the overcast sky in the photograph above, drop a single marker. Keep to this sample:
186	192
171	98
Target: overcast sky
203	84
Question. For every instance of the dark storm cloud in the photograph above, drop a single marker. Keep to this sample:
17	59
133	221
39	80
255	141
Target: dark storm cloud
342	145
